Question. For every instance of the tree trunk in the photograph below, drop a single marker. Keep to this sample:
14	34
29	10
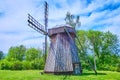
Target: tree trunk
95	68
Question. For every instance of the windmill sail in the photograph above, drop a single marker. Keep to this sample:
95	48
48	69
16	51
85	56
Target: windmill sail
36	25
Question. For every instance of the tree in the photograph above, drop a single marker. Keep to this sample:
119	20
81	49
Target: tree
70	20
111	43
32	54
16	53
110	49
1	55
95	40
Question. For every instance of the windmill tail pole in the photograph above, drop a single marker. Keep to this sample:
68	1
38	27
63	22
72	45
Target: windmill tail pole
72	43
89	62
46	25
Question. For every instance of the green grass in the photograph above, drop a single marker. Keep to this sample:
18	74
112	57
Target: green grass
35	75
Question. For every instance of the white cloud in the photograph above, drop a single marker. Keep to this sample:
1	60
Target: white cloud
14	27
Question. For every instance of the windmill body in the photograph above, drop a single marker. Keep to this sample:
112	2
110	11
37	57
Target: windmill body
63	54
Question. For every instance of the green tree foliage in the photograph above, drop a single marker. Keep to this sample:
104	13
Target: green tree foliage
16	53
37	64
1	55
110	50
35	57
20	58
110	43
118	67
32	54
5	65
83	43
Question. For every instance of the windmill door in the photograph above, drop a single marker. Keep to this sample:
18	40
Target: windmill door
76	69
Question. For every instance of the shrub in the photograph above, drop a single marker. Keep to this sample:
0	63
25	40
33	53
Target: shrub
0	64
17	65
118	68
37	64
85	65
112	68
5	65
22	65
26	65
10	65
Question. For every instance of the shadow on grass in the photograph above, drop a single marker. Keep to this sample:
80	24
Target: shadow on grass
65	77
87	74
83	74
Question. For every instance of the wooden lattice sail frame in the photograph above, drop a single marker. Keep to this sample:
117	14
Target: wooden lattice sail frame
63	54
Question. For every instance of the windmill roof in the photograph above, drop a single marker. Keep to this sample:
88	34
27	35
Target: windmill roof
60	29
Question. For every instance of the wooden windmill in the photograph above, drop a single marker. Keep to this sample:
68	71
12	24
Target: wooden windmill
63	55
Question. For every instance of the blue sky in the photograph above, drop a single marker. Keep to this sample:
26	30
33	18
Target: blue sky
100	15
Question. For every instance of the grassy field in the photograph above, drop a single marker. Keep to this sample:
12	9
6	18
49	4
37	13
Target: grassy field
35	75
